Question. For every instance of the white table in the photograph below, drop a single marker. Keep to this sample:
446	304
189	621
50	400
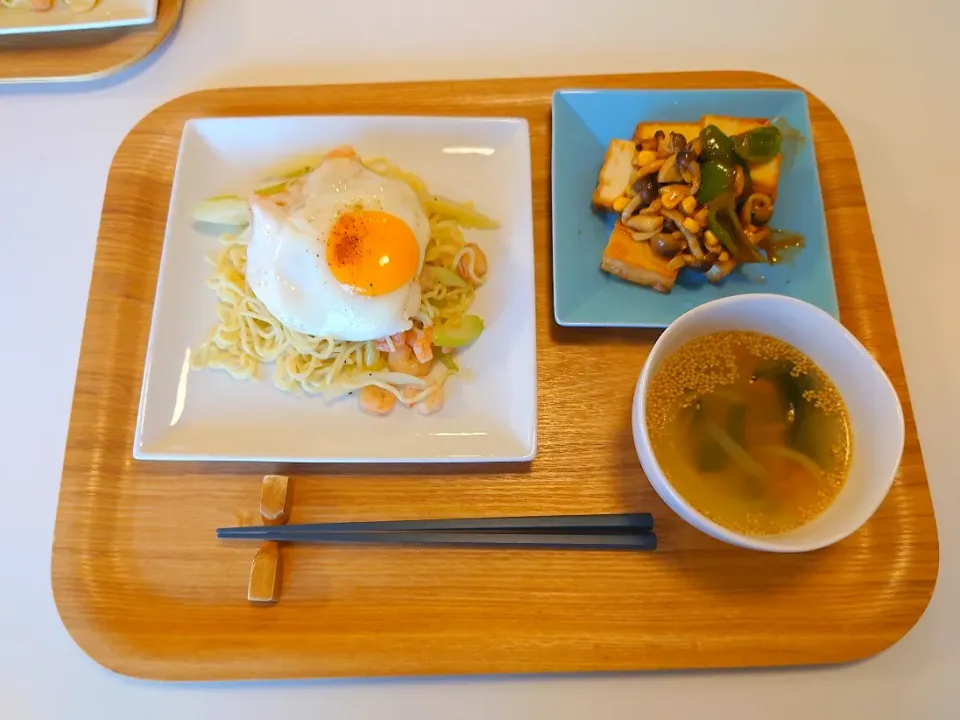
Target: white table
890	74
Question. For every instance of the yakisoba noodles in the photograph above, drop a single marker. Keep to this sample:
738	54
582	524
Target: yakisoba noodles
247	336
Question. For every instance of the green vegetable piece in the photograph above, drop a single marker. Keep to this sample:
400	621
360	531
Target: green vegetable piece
716	178
223	210
791	143
444	276
758	145
804	437
296	172
747	180
710	457
737	424
723	222
754	478
716	145
272	189
458	334
449	362
717	169
725	236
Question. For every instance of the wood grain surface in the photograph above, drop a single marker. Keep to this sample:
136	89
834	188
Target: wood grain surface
83	54
144	587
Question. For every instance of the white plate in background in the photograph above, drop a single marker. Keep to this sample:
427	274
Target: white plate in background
105	14
490	412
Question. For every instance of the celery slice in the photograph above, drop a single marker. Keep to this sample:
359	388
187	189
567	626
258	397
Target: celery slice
223	210
444	276
459	333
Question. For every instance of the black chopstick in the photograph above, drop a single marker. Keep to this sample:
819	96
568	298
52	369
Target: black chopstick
552	541
624	524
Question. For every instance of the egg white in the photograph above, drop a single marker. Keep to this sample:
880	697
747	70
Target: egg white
287	255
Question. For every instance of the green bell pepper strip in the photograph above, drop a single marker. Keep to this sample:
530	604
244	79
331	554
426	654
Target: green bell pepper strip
747	180
716	145
717	169
723	222
758	145
716	178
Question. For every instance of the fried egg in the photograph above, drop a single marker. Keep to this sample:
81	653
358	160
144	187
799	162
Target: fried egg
340	254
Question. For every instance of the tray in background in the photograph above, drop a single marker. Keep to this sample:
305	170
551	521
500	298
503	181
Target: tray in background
144	588
80	55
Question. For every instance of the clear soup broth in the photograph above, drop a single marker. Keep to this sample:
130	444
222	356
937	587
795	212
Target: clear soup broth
750	431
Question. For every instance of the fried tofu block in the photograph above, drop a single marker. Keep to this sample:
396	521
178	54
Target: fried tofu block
635	261
766	176
615	173
733	125
648	130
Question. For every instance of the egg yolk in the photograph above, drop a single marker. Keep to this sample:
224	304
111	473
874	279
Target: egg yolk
372	252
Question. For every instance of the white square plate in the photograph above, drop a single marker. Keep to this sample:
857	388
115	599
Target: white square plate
105	14
490	412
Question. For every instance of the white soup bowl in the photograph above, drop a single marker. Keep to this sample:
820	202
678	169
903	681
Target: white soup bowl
876	418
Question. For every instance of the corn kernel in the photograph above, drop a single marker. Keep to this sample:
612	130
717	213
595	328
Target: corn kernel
710	239
689	204
670	201
724	256
619	204
645	157
691	225
701	217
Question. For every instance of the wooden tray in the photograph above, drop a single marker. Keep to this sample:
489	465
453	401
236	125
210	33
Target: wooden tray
83	54
146	590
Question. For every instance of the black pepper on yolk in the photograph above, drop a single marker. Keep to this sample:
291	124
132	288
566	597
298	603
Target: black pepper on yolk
372	252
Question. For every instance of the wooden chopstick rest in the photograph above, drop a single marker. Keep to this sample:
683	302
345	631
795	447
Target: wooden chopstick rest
275	498
266	570
265	574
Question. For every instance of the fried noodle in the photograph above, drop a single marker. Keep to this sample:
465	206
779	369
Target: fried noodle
246	335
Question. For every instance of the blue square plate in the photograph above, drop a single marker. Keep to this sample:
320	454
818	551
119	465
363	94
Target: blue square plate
584	122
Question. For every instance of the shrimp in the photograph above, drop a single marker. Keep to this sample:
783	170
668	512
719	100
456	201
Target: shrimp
422	343
473	265
376	401
432	402
399	347
391	343
402	360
